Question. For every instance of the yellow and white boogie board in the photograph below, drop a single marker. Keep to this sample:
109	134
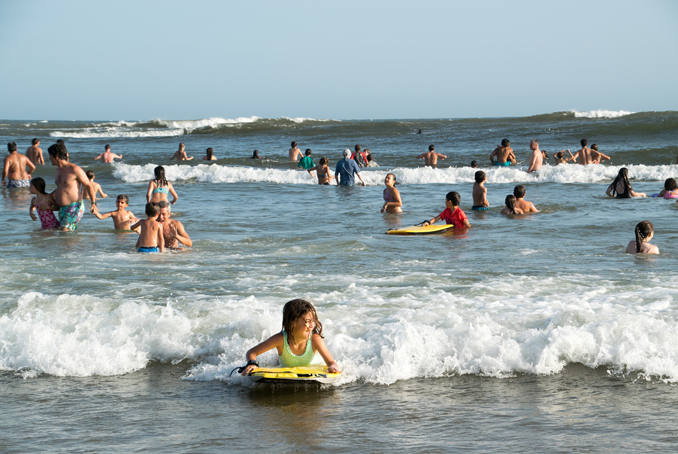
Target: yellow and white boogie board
419	230
315	374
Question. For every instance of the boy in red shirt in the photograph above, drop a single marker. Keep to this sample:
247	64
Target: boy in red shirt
452	214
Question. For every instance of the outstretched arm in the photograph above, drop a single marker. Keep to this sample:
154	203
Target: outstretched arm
432	221
99	157
275	341
441	156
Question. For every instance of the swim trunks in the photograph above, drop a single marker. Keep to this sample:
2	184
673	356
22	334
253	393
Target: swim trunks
505	164
148	249
13	184
70	215
479	208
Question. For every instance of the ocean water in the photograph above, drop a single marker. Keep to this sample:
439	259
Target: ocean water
538	327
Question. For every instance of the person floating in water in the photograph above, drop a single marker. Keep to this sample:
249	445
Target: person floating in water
504	154
644	233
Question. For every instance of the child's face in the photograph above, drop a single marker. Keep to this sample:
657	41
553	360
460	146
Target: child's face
448	204
120	203
304	326
33	190
389	180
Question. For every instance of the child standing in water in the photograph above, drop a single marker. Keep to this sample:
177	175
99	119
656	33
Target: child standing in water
392	201
150	236
160	187
298	342
510	207
122	219
95	186
644	233
452	214
323	172
480	202
45	204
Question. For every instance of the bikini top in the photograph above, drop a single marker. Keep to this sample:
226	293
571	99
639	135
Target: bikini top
388	196
322	172
161	190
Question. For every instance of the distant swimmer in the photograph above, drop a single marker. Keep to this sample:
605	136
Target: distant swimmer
359	156
346	169
180	155
596	156
209	155
452	213
474	164
644	233
419	132
431	157
15	167
480	202
521	203
392	201
150	236
621	188
108	156
584	154
560	157
34	153
255	155
510	206
370	159
504	154
537	158
295	153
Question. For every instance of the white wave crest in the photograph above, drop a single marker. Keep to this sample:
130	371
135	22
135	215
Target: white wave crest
117	131
569	173
601	114
190	125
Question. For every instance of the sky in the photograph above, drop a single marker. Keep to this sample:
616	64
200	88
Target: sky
138	60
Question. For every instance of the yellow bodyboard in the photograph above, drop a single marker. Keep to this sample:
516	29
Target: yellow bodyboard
316	374
418	230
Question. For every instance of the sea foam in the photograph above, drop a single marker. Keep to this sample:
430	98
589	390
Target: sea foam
601	114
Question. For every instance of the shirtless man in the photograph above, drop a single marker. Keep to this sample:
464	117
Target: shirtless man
15	169
108	156
70	179
173	230
596	156
527	207
504	154
537	158
431	157
180	155
34	153
295	153
584	153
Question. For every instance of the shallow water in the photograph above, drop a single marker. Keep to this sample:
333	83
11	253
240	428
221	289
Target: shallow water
531	325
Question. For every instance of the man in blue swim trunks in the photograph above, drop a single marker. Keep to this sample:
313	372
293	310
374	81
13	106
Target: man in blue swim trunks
14	169
504	154
345	170
68	194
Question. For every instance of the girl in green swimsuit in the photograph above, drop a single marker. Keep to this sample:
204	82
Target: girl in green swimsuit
298	342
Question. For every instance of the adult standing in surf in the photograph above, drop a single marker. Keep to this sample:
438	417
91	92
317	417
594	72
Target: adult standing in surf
504	154
34	153
180	155
431	157
14	169
345	170
71	181
584	153
537	158
108	156
159	188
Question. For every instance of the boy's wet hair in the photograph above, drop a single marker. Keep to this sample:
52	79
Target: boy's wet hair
560	155
505	142
583	142
11	146
480	176
124	198
453	197
39	184
294	144
670	184
431	147
358	148
35	141
323	161
308	152
152	209
519	191
295	309
90	174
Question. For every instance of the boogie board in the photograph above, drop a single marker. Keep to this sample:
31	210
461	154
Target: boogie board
419	230
314	374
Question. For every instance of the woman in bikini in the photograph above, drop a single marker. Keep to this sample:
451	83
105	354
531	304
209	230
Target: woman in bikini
392	201
159	188
323	172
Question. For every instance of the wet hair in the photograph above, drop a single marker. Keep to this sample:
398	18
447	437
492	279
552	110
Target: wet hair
90	174
124	198
293	311
107	147
670	184
160	176
35	141
39	184
431	147
152	209
519	191
560	155
255	154
210	153
623	178
358	148
480	176
307	152
394	177
583	142
505	142
58	151
510	203
535	141
60	141
369	158
643	230
594	147
474	164
294	144
11	146
181	146
453	197
323	161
